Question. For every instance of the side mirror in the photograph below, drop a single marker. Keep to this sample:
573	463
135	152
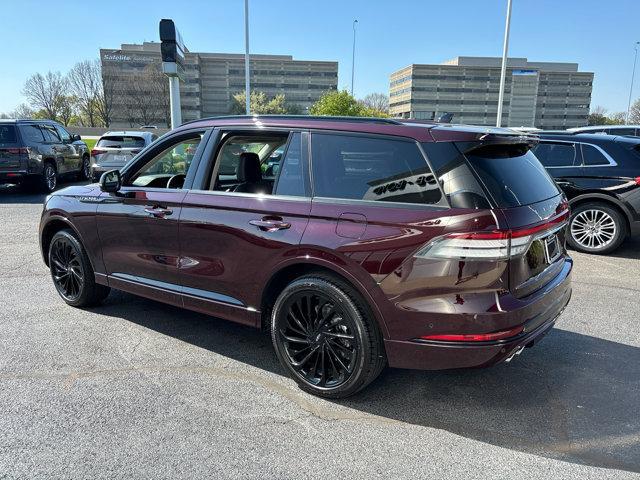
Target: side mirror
111	181
75	137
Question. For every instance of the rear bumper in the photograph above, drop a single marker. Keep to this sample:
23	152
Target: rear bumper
440	355
16	176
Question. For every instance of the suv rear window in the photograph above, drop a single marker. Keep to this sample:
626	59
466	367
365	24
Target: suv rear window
513	176
121	142
8	134
374	169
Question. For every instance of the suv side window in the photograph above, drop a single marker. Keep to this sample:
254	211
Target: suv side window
64	135
31	134
593	156
50	134
291	176
555	154
371	168
173	161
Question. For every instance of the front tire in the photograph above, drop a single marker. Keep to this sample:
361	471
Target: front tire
85	169
596	228
72	273
325	338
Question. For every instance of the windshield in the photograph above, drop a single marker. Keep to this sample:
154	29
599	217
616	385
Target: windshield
513	176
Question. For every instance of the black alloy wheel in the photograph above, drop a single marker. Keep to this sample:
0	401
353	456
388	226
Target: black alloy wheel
66	269
72	273
323	338
49	177
85	172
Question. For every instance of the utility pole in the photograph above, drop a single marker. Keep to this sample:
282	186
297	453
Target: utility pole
633	74
247	86
353	55
503	72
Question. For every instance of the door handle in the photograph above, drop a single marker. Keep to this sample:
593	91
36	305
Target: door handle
158	212
270	224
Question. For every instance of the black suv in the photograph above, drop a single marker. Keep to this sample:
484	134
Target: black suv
600	174
40	151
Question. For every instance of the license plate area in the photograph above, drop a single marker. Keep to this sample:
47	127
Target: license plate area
552	248
120	158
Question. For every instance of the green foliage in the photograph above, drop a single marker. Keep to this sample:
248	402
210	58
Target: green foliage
634	114
598	116
261	104
341	103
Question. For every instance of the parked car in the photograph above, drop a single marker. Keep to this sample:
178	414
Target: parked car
630	130
40	152
374	242
600	174
115	149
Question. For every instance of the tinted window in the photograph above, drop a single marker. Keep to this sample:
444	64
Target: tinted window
31	133
50	134
121	142
291	175
8	134
623	131
555	154
513	176
365	168
458	181
593	156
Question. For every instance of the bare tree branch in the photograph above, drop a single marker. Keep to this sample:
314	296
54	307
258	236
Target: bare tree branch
44	92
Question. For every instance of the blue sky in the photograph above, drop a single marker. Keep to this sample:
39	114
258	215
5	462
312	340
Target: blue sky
599	35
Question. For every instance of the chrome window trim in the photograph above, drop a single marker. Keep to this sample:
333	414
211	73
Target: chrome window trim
612	162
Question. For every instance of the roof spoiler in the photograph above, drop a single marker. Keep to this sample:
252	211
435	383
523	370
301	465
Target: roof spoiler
491	139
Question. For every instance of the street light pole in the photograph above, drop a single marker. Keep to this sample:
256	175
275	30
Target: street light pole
633	74
503	72
247	86
353	55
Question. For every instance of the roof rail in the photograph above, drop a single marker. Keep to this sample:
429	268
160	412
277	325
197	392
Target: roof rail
319	118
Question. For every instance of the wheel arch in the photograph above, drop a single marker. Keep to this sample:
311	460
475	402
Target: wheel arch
53	225
606	199
295	269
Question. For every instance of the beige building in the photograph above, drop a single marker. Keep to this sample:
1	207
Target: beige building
546	95
139	92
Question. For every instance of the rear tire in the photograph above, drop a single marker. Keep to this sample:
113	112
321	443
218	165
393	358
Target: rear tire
72	273
596	228
49	179
325	337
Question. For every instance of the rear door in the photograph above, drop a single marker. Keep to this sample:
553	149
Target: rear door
563	161
231	242
533	208
54	145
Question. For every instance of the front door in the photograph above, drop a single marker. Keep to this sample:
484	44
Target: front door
243	221
72	157
138	225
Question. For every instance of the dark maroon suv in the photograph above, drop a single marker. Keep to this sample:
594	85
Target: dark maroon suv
357	242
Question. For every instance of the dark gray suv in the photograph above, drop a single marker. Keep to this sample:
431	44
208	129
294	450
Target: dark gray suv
40	152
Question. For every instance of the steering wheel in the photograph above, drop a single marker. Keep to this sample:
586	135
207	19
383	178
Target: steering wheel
176	181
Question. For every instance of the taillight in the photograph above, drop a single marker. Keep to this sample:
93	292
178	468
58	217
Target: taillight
475	337
637	180
97	151
494	245
16	151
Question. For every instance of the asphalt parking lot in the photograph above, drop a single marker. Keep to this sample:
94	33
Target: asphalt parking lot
138	389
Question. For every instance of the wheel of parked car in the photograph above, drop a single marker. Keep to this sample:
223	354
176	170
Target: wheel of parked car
85	171
324	337
596	228
72	273
49	179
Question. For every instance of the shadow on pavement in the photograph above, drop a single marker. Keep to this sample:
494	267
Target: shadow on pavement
630	248
29	194
573	397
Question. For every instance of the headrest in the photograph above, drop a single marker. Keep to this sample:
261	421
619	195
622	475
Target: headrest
249	168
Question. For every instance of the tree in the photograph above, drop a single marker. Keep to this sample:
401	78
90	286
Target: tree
617	118
378	102
68	110
634	113
44	92
106	95
260	104
597	116
85	83
338	103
